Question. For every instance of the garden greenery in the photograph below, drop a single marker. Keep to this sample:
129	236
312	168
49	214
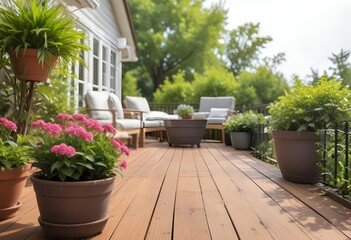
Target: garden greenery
244	122
311	107
184	109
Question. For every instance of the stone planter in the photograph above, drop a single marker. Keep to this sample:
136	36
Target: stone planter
241	140
72	210
12	182
296	155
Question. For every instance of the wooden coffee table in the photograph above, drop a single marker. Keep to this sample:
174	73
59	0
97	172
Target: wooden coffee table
185	131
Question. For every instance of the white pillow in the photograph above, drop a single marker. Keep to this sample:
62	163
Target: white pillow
218	113
156	115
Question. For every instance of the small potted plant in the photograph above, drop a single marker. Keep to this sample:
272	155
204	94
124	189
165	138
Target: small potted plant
241	126
296	119
185	111
14	167
77	159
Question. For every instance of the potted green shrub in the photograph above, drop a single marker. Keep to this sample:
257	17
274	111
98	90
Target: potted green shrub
14	168
77	159
295	120
241	126
36	34
185	111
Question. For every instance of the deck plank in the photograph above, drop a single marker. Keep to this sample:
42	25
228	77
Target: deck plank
212	192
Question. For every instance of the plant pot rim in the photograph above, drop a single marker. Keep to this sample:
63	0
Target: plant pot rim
36	177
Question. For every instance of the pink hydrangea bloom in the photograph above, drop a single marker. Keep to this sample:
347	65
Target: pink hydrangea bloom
9	124
109	128
64	116
93	124
123	164
53	128
80	132
125	150
63	149
79	117
38	124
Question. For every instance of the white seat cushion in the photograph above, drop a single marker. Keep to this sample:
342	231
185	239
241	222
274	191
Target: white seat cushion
153	123
98	100
218	113
156	115
124	124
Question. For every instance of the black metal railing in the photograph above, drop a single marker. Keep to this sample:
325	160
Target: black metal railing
170	107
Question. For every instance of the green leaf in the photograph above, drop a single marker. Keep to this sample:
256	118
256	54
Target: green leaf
56	165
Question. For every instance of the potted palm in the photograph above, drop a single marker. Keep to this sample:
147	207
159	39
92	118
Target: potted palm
14	168
296	119
185	111
36	34
77	159
241	126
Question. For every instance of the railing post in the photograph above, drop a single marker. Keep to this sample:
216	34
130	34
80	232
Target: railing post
346	174
336	155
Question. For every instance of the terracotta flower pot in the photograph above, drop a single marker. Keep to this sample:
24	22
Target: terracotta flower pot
12	182
296	155
187	116
27	66
72	209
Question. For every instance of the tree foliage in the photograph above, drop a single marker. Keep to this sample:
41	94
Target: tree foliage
174	35
341	67
179	91
244	48
260	87
129	85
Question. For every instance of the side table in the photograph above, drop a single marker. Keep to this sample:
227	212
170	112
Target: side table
185	131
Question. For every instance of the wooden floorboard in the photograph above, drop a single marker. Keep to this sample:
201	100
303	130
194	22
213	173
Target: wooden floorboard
211	192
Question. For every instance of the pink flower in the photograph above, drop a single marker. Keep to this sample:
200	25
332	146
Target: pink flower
123	164
79	117
63	116
53	128
125	150
93	124
63	149
80	132
9	124
109	128
38	124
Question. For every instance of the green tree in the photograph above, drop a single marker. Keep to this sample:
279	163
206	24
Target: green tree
129	85
175	35
243	51
260	87
342	68
215	81
180	91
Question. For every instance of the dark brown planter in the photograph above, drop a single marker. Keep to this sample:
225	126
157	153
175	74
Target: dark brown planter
227	139
181	132
241	140
12	182
296	155
27	66
72	209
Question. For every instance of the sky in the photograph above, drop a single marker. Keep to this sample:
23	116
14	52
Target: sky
307	31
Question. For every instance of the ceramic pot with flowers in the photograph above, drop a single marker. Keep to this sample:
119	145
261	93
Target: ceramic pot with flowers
185	111
78	160
15	164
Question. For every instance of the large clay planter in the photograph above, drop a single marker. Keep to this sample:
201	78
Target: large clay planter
12	182
296	155
27	66
241	140
72	210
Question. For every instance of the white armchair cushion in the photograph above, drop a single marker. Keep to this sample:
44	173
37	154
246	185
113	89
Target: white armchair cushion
115	104
156	115
98	100
218	113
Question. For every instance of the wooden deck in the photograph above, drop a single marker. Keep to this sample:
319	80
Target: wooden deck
212	192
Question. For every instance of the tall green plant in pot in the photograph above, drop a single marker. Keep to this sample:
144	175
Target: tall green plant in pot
241	126
295	120
36	34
